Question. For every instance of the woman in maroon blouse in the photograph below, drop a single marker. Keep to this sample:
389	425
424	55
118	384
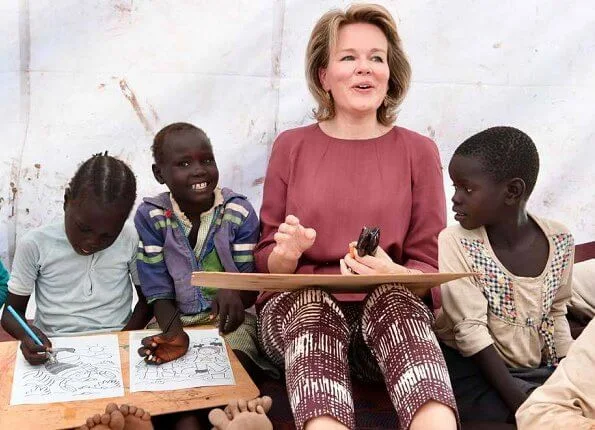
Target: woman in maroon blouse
324	182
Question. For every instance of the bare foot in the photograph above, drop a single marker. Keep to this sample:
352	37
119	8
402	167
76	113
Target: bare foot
242	415
112	419
136	418
265	401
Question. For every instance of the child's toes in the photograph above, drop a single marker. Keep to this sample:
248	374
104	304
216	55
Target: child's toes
252	404
227	411
97	419
233	410
105	419
124	410
111	407
116	420
243	405
140	413
132	409
266	402
218	419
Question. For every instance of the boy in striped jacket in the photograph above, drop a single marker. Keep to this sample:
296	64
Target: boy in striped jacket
195	226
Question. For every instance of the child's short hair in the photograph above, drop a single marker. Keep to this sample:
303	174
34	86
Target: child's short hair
168	130
105	178
505	153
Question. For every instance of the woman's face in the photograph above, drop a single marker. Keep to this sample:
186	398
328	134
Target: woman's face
357	73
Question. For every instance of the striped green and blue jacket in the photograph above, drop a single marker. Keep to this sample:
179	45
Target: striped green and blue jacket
166	260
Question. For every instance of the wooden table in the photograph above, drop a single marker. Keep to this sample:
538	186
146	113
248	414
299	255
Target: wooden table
73	414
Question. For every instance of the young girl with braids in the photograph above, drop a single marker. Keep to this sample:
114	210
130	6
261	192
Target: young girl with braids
81	268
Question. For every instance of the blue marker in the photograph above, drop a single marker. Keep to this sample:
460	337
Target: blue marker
25	327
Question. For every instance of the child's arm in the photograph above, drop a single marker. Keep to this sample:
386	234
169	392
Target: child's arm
230	304
169	345
498	376
562	336
568	396
466	306
242	249
151	271
142	313
20	288
157	286
32	352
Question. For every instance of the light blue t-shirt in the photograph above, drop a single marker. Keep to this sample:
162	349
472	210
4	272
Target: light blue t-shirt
75	294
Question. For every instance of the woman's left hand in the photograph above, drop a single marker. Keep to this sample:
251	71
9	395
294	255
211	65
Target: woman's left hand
377	264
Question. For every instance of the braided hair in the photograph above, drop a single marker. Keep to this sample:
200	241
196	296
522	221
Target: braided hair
106	179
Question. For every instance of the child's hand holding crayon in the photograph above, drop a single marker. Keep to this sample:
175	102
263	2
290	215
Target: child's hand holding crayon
34	353
164	347
35	345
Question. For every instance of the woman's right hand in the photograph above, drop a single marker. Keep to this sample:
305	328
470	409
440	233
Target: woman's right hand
293	239
34	353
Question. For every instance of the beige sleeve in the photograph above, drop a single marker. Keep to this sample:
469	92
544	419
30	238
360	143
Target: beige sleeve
562	337
568	397
582	302
463	302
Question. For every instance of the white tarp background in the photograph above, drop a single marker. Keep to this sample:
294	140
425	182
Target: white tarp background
80	77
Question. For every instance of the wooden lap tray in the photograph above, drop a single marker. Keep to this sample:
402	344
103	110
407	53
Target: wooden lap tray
333	283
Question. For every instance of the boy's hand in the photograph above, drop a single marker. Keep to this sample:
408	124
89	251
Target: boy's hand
293	238
230	308
33	353
164	347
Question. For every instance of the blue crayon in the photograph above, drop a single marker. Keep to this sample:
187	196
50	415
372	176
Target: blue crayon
24	325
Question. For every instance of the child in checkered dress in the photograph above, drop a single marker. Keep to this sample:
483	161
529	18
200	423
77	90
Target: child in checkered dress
504	330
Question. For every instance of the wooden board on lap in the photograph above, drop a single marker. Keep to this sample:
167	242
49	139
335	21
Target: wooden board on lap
333	283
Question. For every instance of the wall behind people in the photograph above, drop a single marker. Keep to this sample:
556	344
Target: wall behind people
83	77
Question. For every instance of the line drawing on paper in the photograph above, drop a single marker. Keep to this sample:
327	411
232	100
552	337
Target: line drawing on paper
89	370
205	364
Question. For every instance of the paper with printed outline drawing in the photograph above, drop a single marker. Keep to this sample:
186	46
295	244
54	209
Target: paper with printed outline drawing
88	368
205	364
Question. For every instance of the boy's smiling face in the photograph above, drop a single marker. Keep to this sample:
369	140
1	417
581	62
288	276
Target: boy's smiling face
188	168
478	199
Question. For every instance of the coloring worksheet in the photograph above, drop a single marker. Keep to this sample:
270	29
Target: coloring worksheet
205	364
85	367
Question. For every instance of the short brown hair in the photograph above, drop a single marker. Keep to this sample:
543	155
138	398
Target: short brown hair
322	40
